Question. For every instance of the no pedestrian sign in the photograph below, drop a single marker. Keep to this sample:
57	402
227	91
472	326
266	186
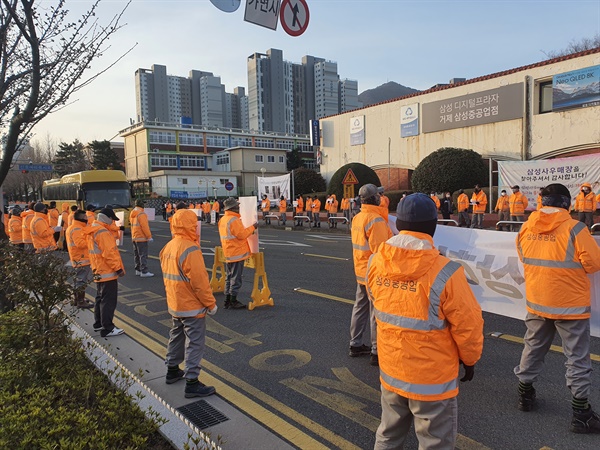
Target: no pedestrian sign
294	16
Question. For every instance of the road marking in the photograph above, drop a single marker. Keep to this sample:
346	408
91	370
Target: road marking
280	242
330	238
319	294
465	443
325	256
157	345
321	240
518	340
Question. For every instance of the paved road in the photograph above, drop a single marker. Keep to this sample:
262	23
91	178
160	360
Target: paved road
287	366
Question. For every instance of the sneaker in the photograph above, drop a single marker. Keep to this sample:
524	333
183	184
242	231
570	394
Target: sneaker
114	332
374	360
360	350
173	377
236	305
97	326
146	275
527	400
585	421
138	273
198	390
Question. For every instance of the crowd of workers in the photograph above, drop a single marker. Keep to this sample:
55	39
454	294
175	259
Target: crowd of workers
422	318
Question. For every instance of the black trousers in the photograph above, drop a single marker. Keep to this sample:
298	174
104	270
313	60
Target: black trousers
106	303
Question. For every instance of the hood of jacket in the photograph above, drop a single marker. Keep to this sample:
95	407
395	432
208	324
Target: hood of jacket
184	224
65	207
135	212
408	255
587	185
547	219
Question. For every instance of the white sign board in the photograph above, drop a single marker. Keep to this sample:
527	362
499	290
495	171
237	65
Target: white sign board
263	12
357	130
151	213
249	216
120	223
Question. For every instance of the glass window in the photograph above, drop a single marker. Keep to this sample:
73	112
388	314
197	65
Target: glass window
545	97
270	158
281	159
258	158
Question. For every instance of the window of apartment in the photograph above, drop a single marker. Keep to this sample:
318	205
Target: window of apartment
182	180
190	139
163	160
191	161
258	158
545	93
162	137
222	159
223	180
281	159
270	158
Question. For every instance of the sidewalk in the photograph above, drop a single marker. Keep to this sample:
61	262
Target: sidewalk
215	422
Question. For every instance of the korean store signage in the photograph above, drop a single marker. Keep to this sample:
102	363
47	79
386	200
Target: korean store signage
409	120
263	12
577	89
357	130
494	105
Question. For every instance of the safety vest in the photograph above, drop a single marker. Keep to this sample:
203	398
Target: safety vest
140	231
518	202
42	235
482	199
369	230
462	203
502	204
234	237
585	203
104	254
15	232
300	205
27	217
77	245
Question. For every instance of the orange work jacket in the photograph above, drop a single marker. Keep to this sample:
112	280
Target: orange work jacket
482	199
436	200
539	203
15	230
265	205
385	201
462	203
53	217
41	233
79	253
585	203
282	206
557	253
104	255
518	203
27	217
369	230
502	204
234	237
140	230
428	319
90	217
300	205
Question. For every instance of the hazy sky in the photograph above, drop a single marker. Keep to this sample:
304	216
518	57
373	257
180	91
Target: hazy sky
414	43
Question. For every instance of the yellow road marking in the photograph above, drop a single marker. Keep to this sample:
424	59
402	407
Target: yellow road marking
465	443
319	294
554	348
157	344
324	256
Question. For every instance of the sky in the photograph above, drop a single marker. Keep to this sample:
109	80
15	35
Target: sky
415	43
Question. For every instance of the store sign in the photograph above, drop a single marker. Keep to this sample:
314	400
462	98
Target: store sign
263	12
494	105
577	89
409	120
357	130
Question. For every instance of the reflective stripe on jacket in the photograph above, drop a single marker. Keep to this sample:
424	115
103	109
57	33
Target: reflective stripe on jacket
140	230
184	274
104	254
585	203
482	199
462	203
15	231
26	218
300	205
369	230
427	318
42	235
557	253
79	253
234	237
518	203
316	206
502	204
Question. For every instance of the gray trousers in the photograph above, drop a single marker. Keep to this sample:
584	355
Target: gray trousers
504	215
233	279
575	336
587	218
83	275
140	256
517	219
436	422
477	221
363	315
463	219
186	343
283	217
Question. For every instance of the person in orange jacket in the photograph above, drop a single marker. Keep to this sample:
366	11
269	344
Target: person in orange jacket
462	205
107	267
435	199
189	299
585	204
15	227
79	255
558	253
369	230
64	219
141	236
283	209
479	202
234	240
90	214
384	201
316	209
308	209
345	207
216	207
26	218
428	324
71	216
265	207
518	204
503	210
299	209
53	216
332	211
41	233
206	208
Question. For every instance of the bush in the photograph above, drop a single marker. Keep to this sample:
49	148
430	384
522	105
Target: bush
307	182
364	175
449	169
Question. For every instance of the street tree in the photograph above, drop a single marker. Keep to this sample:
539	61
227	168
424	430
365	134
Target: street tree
308	181
575	46
293	159
44	60
103	156
70	158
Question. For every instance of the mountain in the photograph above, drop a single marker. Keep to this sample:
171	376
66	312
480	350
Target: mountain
386	91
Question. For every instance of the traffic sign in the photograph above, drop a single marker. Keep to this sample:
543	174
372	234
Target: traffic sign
36	167
227	5
294	16
350	178
229	186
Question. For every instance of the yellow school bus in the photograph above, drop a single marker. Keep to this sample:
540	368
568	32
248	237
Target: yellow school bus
90	187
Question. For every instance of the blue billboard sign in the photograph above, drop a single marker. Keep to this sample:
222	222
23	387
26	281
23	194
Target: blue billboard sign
179	194
577	89
315	133
36	167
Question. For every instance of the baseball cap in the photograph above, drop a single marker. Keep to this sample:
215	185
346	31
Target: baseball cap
109	213
367	191
39	207
416	208
139	202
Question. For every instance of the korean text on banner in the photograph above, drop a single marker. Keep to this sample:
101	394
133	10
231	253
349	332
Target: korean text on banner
249	216
120	223
495	272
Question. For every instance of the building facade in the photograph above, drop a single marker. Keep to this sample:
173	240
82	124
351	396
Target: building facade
508	115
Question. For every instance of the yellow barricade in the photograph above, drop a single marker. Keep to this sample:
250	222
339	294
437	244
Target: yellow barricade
261	296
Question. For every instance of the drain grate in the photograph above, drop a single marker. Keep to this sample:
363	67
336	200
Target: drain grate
202	414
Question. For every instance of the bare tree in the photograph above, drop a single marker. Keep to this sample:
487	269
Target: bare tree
575	46
43	60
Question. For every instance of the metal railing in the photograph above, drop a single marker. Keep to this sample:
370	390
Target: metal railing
302	218
596	225
271	216
508	222
448	221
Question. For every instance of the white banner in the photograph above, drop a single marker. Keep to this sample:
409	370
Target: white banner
249	216
495	272
531	176
274	187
